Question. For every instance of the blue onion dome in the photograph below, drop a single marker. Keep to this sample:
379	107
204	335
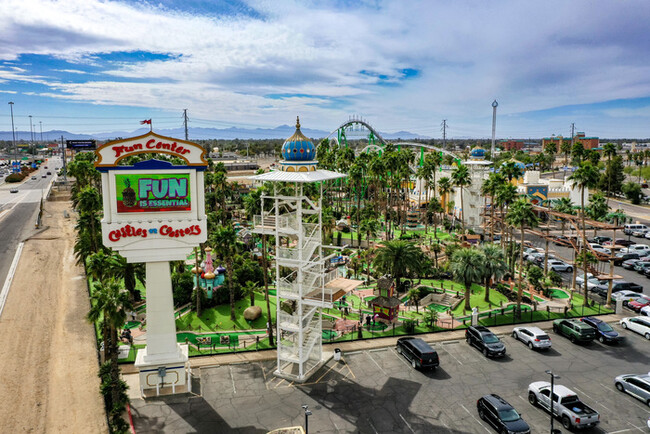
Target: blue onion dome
298	147
477	153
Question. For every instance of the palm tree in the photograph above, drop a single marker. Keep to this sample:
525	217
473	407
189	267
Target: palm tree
565	206
505	195
511	170
585	177
461	178
369	227
434	208
609	149
520	215
109	302
494	266
446	189
466	266
489	189
398	258
249	289
225	244
89	205
414	298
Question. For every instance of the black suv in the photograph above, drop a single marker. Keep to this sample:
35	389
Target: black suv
486	341
622	257
418	352
502	416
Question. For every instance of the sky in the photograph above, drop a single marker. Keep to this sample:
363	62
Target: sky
90	66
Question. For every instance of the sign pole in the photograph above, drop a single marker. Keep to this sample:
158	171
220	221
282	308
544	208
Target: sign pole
65	170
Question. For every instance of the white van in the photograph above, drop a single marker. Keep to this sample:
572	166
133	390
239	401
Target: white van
628	229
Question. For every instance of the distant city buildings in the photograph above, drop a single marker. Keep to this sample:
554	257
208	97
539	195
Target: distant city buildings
587	142
511	145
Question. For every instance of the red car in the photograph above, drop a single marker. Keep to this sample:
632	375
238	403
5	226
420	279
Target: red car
639	304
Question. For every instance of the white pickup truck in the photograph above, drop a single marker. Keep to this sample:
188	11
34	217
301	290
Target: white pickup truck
566	405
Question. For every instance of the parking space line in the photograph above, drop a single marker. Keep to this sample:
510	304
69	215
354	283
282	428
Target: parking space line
375	362
399	356
620	431
454	357
324	374
636	427
232	379
373	427
407	424
349	370
279	382
472	416
633	400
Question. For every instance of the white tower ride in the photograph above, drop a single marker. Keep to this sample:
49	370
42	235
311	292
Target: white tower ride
295	221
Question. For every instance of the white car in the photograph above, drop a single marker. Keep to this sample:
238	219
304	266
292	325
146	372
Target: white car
645	311
593	282
638	324
640	233
556	265
534	337
627	296
580	280
637	248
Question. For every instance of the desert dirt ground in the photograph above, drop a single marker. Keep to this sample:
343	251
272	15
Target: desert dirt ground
48	361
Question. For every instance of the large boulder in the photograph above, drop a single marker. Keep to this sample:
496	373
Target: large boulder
252	313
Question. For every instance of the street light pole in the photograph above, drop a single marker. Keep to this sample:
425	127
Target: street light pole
31	131
307	414
13	130
553	377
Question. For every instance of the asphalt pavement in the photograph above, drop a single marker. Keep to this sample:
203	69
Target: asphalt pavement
377	391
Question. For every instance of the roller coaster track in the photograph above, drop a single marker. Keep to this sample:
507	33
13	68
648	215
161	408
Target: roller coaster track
334	136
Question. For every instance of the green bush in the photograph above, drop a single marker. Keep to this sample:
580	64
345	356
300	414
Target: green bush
409	326
15	177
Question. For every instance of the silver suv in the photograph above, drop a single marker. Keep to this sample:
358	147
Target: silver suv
534	337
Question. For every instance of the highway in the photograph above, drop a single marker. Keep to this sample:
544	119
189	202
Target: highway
18	211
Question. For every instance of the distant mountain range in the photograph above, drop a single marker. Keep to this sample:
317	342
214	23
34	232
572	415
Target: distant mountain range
281	132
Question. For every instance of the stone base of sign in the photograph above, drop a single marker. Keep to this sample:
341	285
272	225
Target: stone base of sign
163	374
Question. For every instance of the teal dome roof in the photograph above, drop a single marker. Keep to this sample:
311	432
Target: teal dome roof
298	147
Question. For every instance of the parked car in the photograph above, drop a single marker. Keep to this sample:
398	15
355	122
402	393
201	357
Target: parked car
604	332
619	242
594	282
641	249
619	258
639	303
640	232
631	228
599	239
617	285
641	266
626	296
528	251
561	266
534	337
580	277
563	240
630	264
567	406
645	311
539	259
486	341
418	352
574	329
637	324
635	385
502	416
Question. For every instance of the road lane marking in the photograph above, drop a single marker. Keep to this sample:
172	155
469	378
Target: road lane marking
472	416
10	277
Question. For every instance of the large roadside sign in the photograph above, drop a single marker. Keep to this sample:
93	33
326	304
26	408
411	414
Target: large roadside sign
81	144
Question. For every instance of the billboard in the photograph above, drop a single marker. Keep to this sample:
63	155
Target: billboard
80	144
152	192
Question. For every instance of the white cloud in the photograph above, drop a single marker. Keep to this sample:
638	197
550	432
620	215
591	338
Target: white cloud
529	56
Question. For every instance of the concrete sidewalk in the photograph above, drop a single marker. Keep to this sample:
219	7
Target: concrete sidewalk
356	345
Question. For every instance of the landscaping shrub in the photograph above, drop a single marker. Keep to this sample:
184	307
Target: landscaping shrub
15	177
409	326
183	285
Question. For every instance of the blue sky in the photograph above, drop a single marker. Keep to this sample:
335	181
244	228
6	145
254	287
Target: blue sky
99	66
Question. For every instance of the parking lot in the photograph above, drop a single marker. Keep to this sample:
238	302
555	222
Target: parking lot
377	391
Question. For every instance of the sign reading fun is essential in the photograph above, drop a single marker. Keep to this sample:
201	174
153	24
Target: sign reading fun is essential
152	192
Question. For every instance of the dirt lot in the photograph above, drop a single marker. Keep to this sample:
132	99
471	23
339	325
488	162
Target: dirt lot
48	363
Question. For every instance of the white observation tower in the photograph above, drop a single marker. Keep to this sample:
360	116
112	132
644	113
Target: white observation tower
295	220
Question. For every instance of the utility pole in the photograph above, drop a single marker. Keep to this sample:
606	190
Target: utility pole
13	131
31	130
494	126
185	121
573	127
41	125
444	134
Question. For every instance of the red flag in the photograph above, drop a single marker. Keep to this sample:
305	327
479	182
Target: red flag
146	121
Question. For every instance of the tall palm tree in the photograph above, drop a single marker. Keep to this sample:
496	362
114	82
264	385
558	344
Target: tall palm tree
565	206
494	266
585	177
89	205
414	298
446	189
609	149
369	227
109	302
505	195
226	244
511	170
461	179
489	189
466	266
249	289
521	215
398	258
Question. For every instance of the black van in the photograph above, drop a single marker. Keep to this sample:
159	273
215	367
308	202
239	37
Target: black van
418	352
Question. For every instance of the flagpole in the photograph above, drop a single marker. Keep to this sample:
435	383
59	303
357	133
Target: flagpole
150	125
